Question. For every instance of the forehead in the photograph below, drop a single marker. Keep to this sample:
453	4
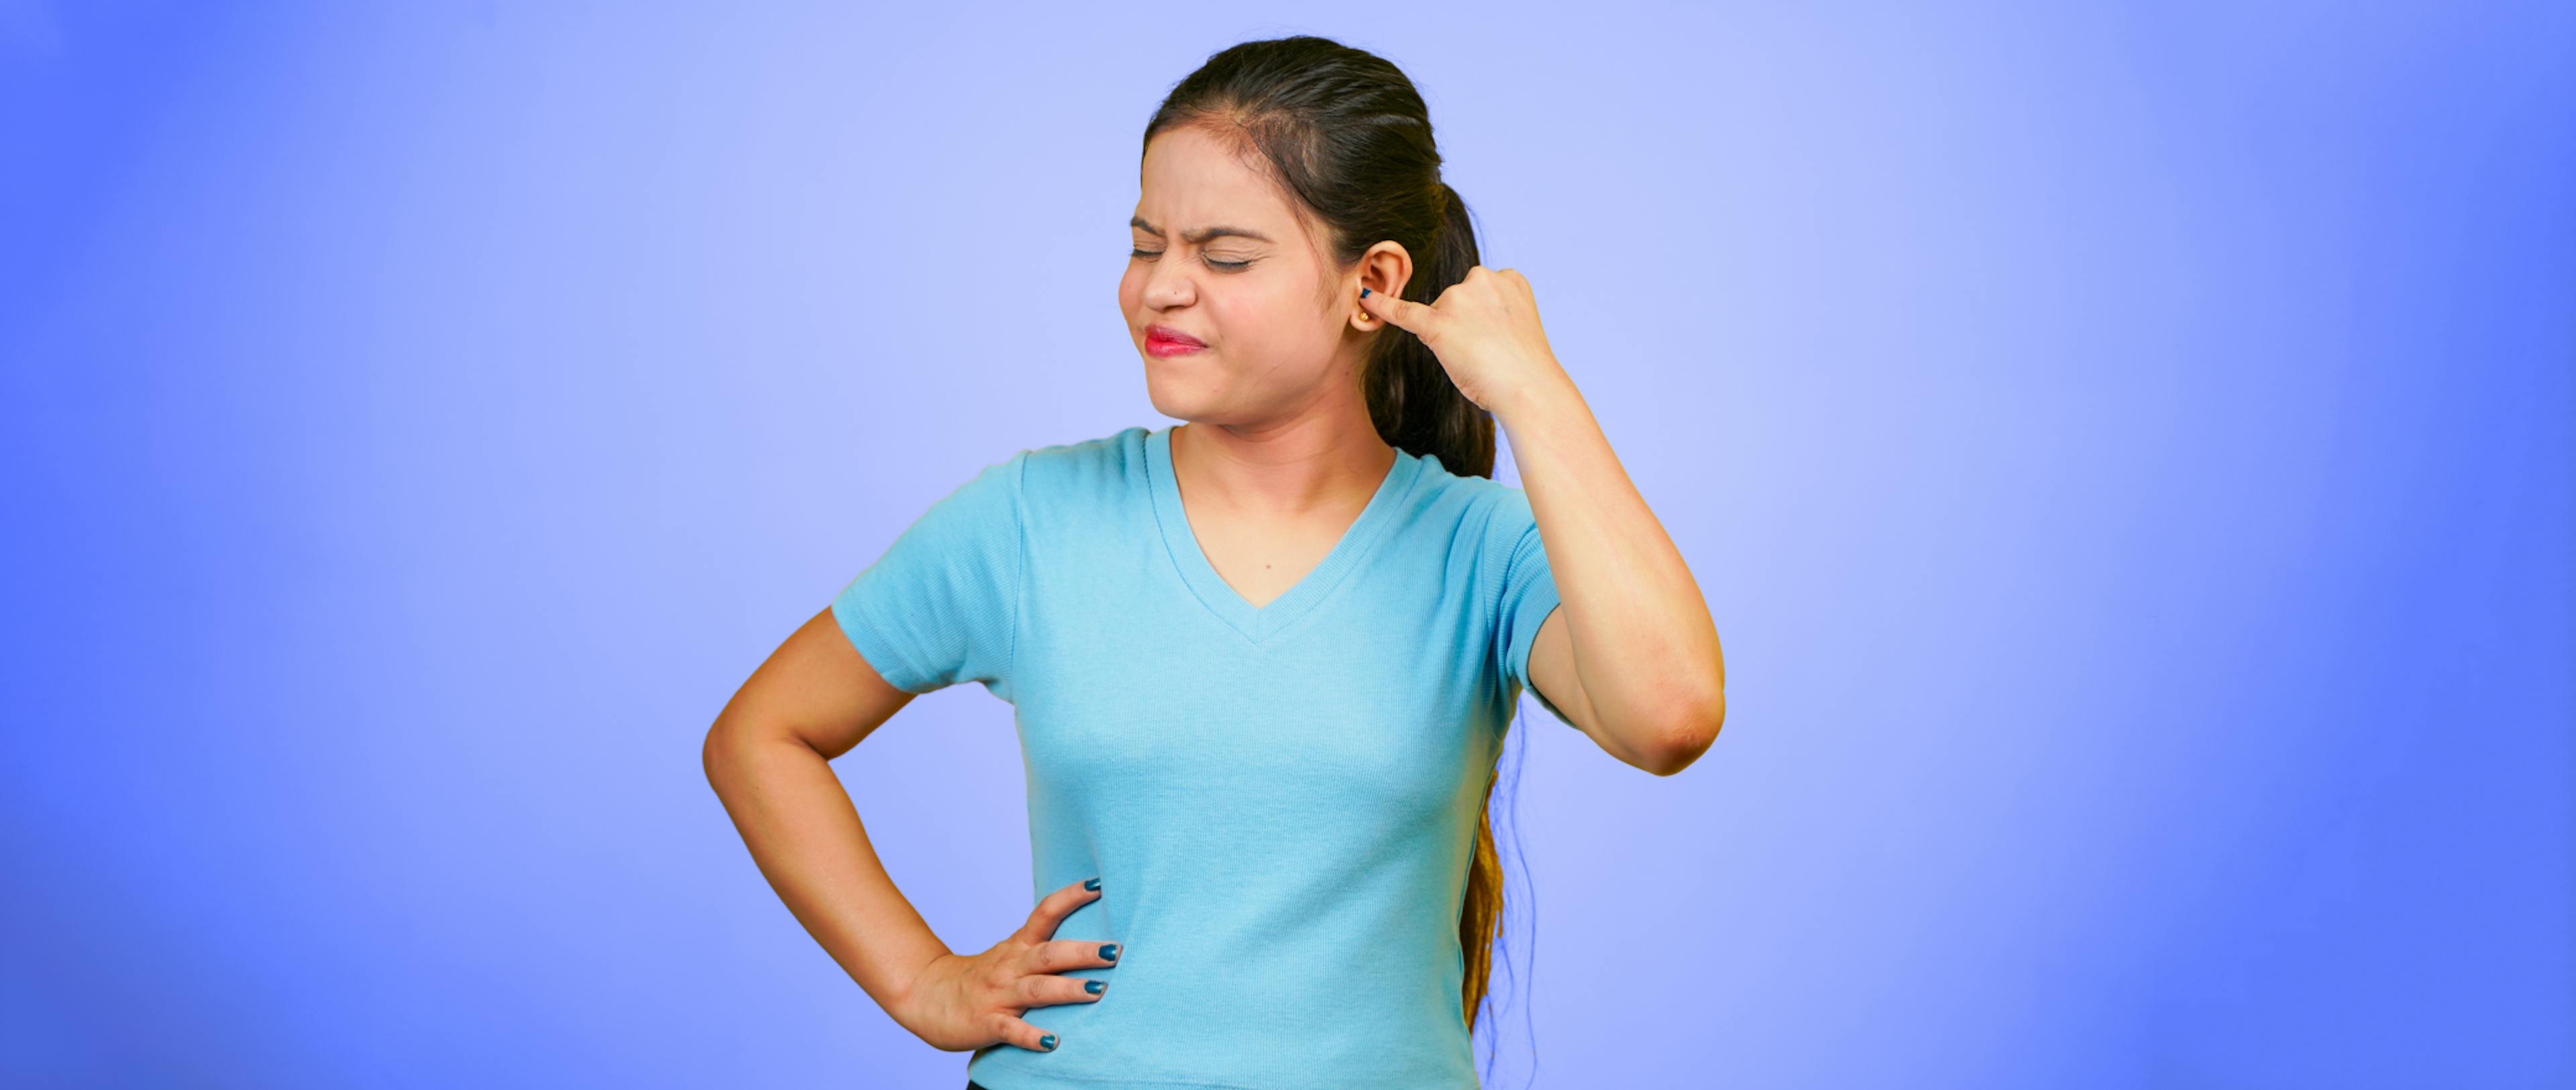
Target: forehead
1190	180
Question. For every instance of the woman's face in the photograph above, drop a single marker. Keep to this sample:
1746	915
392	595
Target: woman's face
1283	330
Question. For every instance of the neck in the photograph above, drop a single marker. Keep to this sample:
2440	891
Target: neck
1305	465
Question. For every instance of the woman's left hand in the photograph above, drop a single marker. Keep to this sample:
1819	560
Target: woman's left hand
1485	331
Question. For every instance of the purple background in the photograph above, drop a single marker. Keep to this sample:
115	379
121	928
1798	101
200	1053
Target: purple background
2126	449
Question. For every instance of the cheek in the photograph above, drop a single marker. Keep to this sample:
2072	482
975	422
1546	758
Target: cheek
1248	314
1273	339
1277	320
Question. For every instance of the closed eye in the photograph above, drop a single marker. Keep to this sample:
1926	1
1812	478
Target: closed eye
1229	266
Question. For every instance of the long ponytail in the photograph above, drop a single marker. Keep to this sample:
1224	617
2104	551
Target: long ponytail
1417	408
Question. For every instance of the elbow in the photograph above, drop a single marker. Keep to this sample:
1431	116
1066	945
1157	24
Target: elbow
723	750
1689	734
739	742
711	755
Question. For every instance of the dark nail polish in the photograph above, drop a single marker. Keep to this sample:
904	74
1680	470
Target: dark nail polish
1094	986
1363	293
1092	884
1109	950
1047	1042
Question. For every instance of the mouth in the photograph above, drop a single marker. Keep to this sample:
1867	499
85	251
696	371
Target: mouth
1166	341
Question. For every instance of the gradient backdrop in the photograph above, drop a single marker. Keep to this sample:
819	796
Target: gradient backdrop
2126	449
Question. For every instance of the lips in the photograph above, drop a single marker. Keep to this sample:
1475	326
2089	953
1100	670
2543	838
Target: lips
1163	334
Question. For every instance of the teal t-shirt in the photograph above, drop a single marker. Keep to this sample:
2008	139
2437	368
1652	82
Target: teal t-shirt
1280	802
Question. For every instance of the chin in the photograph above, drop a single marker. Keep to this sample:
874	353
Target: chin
1174	399
1166	404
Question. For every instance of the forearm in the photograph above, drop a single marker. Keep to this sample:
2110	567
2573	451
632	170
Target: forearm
807	839
1644	644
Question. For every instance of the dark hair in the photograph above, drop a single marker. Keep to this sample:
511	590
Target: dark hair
1346	134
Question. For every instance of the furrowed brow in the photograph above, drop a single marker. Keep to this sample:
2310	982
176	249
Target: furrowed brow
1202	234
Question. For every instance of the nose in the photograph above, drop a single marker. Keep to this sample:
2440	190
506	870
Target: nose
1166	288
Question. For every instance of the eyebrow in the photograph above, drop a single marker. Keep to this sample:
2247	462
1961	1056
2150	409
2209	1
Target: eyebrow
1202	234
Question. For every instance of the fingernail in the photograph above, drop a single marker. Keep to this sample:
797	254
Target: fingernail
1092	884
1109	950
1363	293
1095	987
1047	1042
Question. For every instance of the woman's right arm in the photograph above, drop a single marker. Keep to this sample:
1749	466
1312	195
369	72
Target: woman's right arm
769	756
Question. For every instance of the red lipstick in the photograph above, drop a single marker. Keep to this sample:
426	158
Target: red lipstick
1163	340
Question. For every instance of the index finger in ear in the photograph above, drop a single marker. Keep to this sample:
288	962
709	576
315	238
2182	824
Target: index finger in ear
1406	314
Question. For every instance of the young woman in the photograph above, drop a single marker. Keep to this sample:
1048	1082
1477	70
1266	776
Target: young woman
1262	661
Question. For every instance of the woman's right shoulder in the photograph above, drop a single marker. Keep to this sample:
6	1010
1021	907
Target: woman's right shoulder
1106	467
1118	444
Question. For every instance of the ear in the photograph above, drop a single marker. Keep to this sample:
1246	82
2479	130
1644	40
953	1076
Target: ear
1384	270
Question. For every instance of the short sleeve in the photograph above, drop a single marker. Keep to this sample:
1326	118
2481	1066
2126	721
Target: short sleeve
1528	591
941	605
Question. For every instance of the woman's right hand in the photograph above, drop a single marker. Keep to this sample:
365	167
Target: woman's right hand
967	1001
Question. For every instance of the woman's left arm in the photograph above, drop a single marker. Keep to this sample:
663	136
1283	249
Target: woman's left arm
1630	653
1632	645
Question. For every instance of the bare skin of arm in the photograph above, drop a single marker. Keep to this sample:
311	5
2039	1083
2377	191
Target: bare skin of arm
1630	654
769	755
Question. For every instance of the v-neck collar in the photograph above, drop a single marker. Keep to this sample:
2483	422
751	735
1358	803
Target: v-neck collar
1220	597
